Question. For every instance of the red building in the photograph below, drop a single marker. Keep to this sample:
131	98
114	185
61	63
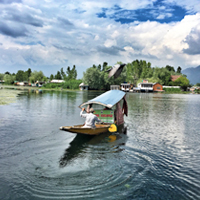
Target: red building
157	87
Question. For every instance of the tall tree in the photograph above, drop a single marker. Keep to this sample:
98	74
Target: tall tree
170	68
29	72
9	79
21	76
63	73
105	64
51	77
71	73
74	72
99	67
1	76
58	75
92	78
179	70
37	76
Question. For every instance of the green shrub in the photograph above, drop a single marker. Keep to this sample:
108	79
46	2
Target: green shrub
71	84
172	90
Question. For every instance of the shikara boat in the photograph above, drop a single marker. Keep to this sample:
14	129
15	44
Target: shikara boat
100	128
107	107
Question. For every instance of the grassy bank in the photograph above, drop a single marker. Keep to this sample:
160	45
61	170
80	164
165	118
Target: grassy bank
58	88
175	91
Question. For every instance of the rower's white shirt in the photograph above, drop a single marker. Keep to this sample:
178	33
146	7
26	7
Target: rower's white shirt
90	119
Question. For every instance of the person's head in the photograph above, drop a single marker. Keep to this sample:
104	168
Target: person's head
91	110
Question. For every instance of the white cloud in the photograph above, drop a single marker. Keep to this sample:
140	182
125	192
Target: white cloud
70	32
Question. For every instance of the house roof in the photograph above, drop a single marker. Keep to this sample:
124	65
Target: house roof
82	84
108	99
125	83
57	81
174	77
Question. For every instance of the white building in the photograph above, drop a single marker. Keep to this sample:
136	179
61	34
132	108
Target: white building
82	86
115	87
57	81
125	87
146	87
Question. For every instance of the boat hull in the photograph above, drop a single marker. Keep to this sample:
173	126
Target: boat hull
100	128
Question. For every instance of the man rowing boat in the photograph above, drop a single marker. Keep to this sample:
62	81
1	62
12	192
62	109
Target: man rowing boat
90	118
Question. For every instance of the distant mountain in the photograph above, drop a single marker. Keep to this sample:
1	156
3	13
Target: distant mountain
193	74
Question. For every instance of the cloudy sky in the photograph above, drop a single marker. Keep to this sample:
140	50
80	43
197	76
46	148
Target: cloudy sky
50	34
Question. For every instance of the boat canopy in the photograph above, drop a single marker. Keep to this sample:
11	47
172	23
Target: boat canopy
107	99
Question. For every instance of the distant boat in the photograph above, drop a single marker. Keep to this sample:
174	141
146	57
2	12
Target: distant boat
111	118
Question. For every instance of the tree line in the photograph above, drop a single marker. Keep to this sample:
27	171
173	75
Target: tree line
22	76
32	77
70	74
97	76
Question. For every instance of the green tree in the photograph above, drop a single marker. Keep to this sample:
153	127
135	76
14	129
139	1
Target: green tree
179	70
183	82
105	64
134	71
58	75
37	76
71	73
162	75
51	77
21	76
1	76
99	67
29	72
92	78
74	72
9	79
130	73
170	68
63	74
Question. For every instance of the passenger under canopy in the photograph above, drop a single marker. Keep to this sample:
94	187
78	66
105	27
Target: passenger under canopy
109	99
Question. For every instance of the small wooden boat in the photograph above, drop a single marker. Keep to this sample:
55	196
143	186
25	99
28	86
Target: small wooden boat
112	118
100	128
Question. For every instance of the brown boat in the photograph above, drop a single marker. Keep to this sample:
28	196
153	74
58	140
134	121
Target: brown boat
100	128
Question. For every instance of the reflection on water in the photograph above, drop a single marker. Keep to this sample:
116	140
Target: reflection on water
158	157
81	142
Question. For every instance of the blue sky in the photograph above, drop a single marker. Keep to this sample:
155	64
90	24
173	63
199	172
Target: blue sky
50	34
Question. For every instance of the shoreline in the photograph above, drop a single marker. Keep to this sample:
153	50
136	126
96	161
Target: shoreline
61	89
33	88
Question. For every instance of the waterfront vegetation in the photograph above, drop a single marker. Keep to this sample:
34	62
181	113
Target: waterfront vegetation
175	91
71	84
8	96
97	77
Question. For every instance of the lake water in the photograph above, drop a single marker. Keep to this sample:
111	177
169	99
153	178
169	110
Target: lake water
157	158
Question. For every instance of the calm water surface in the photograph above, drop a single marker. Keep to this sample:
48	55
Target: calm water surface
158	158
